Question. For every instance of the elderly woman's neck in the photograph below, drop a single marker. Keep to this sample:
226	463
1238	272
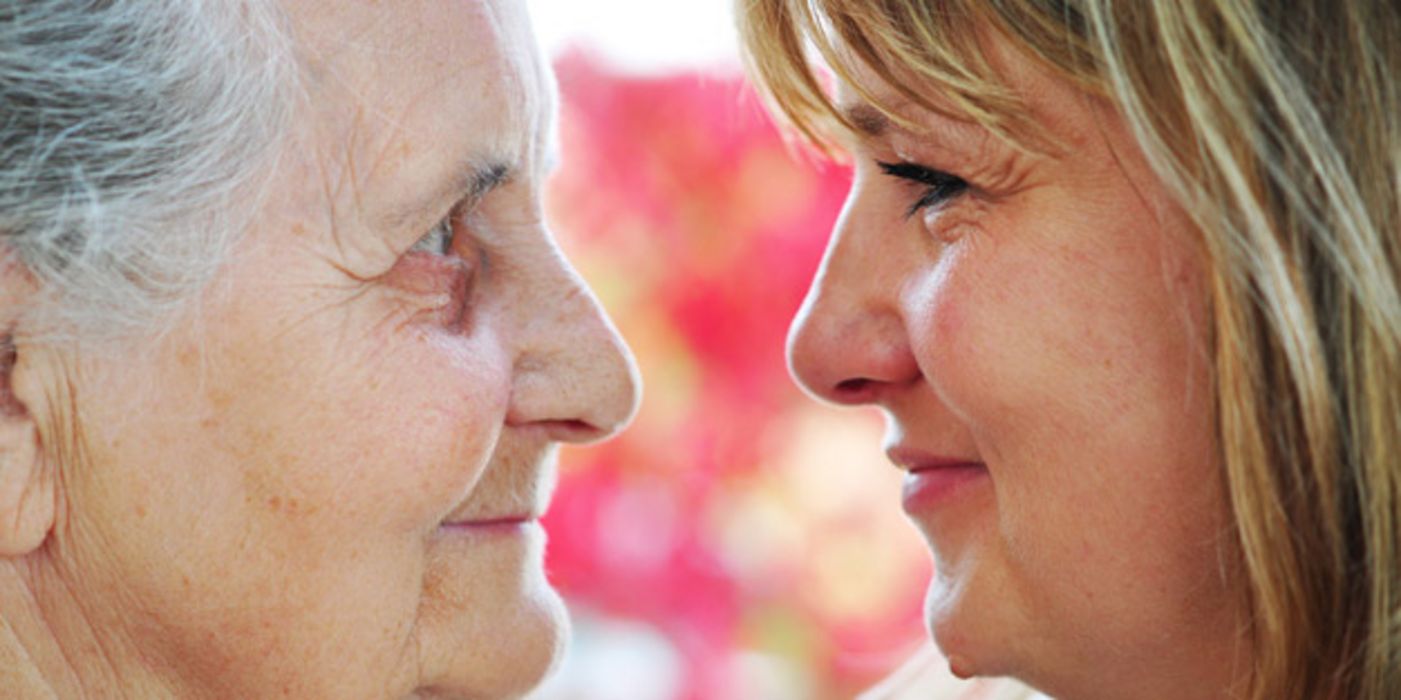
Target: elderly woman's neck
47	647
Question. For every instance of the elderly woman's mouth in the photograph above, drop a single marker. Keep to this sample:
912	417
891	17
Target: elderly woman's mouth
512	495
518	523
516	513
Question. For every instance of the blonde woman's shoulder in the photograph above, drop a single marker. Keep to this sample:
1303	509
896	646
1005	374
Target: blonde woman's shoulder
926	676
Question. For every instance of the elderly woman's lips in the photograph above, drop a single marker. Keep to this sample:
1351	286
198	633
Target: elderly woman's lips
493	528
496	525
934	480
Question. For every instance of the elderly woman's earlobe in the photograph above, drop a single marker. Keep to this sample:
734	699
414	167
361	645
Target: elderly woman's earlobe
26	487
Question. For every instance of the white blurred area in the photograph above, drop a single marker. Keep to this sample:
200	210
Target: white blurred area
779	531
641	36
611	659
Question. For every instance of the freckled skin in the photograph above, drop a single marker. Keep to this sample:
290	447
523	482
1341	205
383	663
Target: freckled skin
1050	323
258	512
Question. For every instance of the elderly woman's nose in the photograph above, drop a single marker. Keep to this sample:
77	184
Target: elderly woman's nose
848	343
574	374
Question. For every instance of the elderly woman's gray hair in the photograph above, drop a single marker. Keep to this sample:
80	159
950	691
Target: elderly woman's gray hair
130	131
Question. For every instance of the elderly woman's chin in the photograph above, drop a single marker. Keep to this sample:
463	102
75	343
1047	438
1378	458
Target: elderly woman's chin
536	639
501	638
526	643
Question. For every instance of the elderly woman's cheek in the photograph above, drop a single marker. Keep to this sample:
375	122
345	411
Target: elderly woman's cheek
434	288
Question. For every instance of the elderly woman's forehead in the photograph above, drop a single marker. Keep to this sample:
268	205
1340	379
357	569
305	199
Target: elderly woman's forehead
403	94
378	37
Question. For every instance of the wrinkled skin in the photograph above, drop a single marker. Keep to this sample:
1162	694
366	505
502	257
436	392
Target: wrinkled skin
324	481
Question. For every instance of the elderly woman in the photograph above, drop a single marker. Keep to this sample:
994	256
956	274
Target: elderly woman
288	350
1125	278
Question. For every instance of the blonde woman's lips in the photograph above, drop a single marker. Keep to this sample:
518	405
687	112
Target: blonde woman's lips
933	481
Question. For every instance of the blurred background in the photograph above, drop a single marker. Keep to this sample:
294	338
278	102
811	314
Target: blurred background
739	541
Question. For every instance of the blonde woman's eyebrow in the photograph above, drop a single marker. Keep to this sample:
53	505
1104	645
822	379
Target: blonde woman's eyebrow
868	121
953	139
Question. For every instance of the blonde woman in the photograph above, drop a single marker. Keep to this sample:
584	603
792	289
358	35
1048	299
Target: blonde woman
1125	277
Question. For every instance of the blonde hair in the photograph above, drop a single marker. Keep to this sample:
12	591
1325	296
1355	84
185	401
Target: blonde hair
1279	131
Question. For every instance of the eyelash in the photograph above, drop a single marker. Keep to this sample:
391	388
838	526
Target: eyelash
939	186
439	239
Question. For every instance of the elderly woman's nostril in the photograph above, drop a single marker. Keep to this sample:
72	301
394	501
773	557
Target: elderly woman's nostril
575	431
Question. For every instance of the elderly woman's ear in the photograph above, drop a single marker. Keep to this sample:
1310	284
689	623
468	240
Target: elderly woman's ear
26	486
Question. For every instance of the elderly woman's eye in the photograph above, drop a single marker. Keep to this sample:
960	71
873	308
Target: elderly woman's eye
438	240
937	187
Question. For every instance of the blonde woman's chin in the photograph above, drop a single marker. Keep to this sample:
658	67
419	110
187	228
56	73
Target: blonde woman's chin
926	676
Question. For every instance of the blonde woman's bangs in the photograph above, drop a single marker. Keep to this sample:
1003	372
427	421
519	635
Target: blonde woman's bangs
934	58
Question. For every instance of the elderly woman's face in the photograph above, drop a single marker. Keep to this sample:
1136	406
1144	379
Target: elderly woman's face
1036	336
326	482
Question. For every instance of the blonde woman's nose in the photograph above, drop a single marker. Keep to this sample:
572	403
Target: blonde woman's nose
847	355
574	375
848	343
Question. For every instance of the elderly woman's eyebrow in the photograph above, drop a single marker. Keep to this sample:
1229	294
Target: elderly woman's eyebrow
477	179
471	181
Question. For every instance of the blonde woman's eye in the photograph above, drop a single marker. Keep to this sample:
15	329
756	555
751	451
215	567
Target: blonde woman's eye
438	240
936	187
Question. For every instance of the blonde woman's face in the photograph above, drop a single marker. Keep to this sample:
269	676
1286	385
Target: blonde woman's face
1035	330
